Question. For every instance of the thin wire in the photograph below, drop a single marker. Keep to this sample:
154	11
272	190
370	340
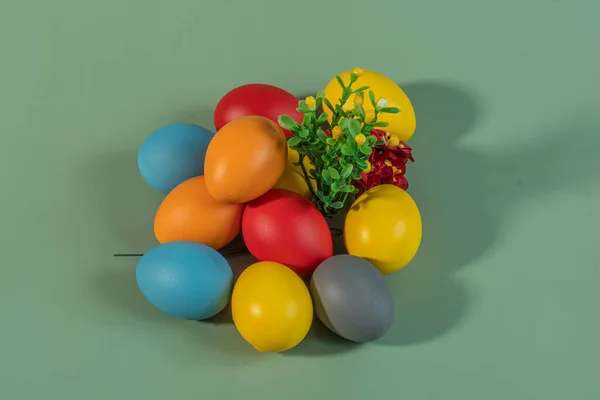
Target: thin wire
223	252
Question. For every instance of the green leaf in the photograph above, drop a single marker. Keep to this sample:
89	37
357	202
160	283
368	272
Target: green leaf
372	98
302	107
361	164
359	110
379	143
331	141
353	128
326	176
321	196
329	105
339	109
390	110
335	175
320	95
347	189
347	171
286	122
294	141
346	92
340	81
367	128
366	150
325	158
343	123
381	124
353	77
322	118
335	186
343	162
322	136
360	89
347	149
371	140
306	121
303	133
337	205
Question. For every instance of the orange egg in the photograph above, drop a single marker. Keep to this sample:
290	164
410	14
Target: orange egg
245	159
190	213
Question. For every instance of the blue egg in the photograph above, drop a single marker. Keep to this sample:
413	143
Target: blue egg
173	154
185	279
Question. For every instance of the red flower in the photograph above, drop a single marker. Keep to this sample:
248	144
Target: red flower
388	164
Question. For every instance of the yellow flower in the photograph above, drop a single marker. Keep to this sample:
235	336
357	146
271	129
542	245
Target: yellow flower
360	139
311	102
393	141
369	168
359	100
358	71
336	132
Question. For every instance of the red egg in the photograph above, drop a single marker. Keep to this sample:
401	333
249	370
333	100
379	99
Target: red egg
256	99
287	228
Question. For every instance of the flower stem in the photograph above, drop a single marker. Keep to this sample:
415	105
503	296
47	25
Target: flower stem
307	177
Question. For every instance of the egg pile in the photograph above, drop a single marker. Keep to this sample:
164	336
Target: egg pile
242	179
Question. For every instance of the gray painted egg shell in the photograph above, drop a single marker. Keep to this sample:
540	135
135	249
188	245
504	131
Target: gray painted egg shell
352	298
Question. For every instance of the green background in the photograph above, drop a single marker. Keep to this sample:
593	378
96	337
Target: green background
500	303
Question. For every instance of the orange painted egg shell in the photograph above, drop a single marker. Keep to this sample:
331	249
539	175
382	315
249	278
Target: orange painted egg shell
189	213
245	159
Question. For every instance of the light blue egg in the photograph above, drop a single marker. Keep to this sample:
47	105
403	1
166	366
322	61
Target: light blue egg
173	154
185	279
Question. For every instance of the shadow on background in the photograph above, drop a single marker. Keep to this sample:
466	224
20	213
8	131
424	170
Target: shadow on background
465	198
446	184
320	341
115	288
462	196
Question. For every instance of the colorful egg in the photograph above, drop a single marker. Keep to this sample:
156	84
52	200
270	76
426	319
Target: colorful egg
190	213
402	124
293	178
173	154
352	298
185	280
384	227
245	159
284	227
271	307
256	99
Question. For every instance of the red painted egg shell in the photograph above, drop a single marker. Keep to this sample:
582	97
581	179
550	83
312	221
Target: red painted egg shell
287	228
256	99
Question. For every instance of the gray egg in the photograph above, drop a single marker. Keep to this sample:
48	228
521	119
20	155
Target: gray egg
352	298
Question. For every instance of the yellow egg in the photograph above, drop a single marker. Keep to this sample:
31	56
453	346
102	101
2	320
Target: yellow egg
271	307
384	227
402	124
293	177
